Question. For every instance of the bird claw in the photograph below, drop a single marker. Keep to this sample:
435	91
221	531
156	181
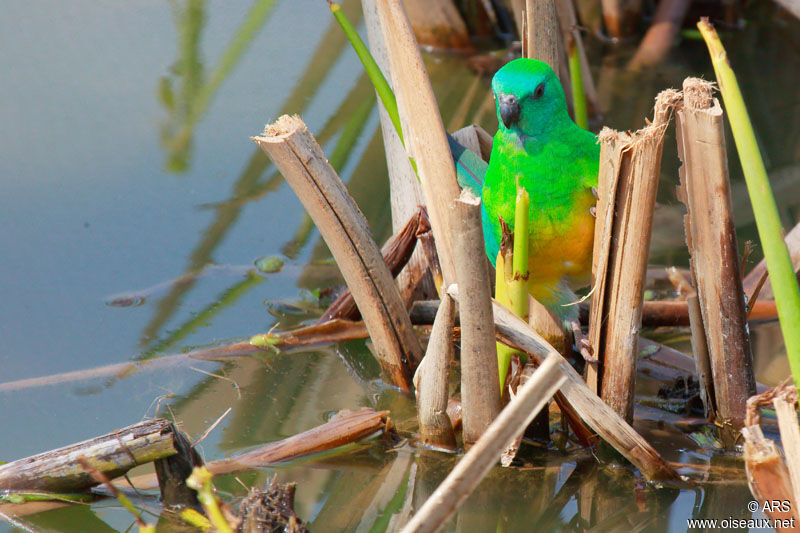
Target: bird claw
593	211
582	344
595	194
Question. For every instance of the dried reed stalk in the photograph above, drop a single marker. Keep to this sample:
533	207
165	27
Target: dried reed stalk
711	238
597	415
543	36
434	424
405	191
629	172
474	466
480	389
301	161
423	130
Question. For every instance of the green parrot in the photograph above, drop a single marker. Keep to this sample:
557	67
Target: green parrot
556	161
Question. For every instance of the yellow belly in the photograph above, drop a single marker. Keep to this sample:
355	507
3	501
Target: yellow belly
559	251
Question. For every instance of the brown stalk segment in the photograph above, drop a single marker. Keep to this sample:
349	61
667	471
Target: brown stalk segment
301	161
434	424
632	164
112	454
480	388
423	129
711	238
345	427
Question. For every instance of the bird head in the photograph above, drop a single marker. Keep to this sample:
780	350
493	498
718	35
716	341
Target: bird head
528	97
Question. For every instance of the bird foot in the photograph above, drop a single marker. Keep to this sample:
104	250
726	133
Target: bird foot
582	343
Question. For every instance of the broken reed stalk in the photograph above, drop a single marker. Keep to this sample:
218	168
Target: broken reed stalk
770	231
480	459
303	164
423	129
112	454
597	415
713	249
480	391
405	192
344	428
629	170
594	411
433	391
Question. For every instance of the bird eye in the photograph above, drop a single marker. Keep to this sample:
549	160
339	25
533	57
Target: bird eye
539	91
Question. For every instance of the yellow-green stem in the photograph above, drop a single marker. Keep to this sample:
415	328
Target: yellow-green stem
518	284
578	97
770	231
502	274
200	480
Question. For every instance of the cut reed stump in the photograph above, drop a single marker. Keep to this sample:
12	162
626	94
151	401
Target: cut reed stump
112	454
423	130
434	372
630	164
711	239
303	164
480	388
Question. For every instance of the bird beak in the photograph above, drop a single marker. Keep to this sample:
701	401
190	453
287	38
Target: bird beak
509	109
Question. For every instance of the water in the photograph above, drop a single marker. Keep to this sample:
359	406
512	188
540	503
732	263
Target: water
126	166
